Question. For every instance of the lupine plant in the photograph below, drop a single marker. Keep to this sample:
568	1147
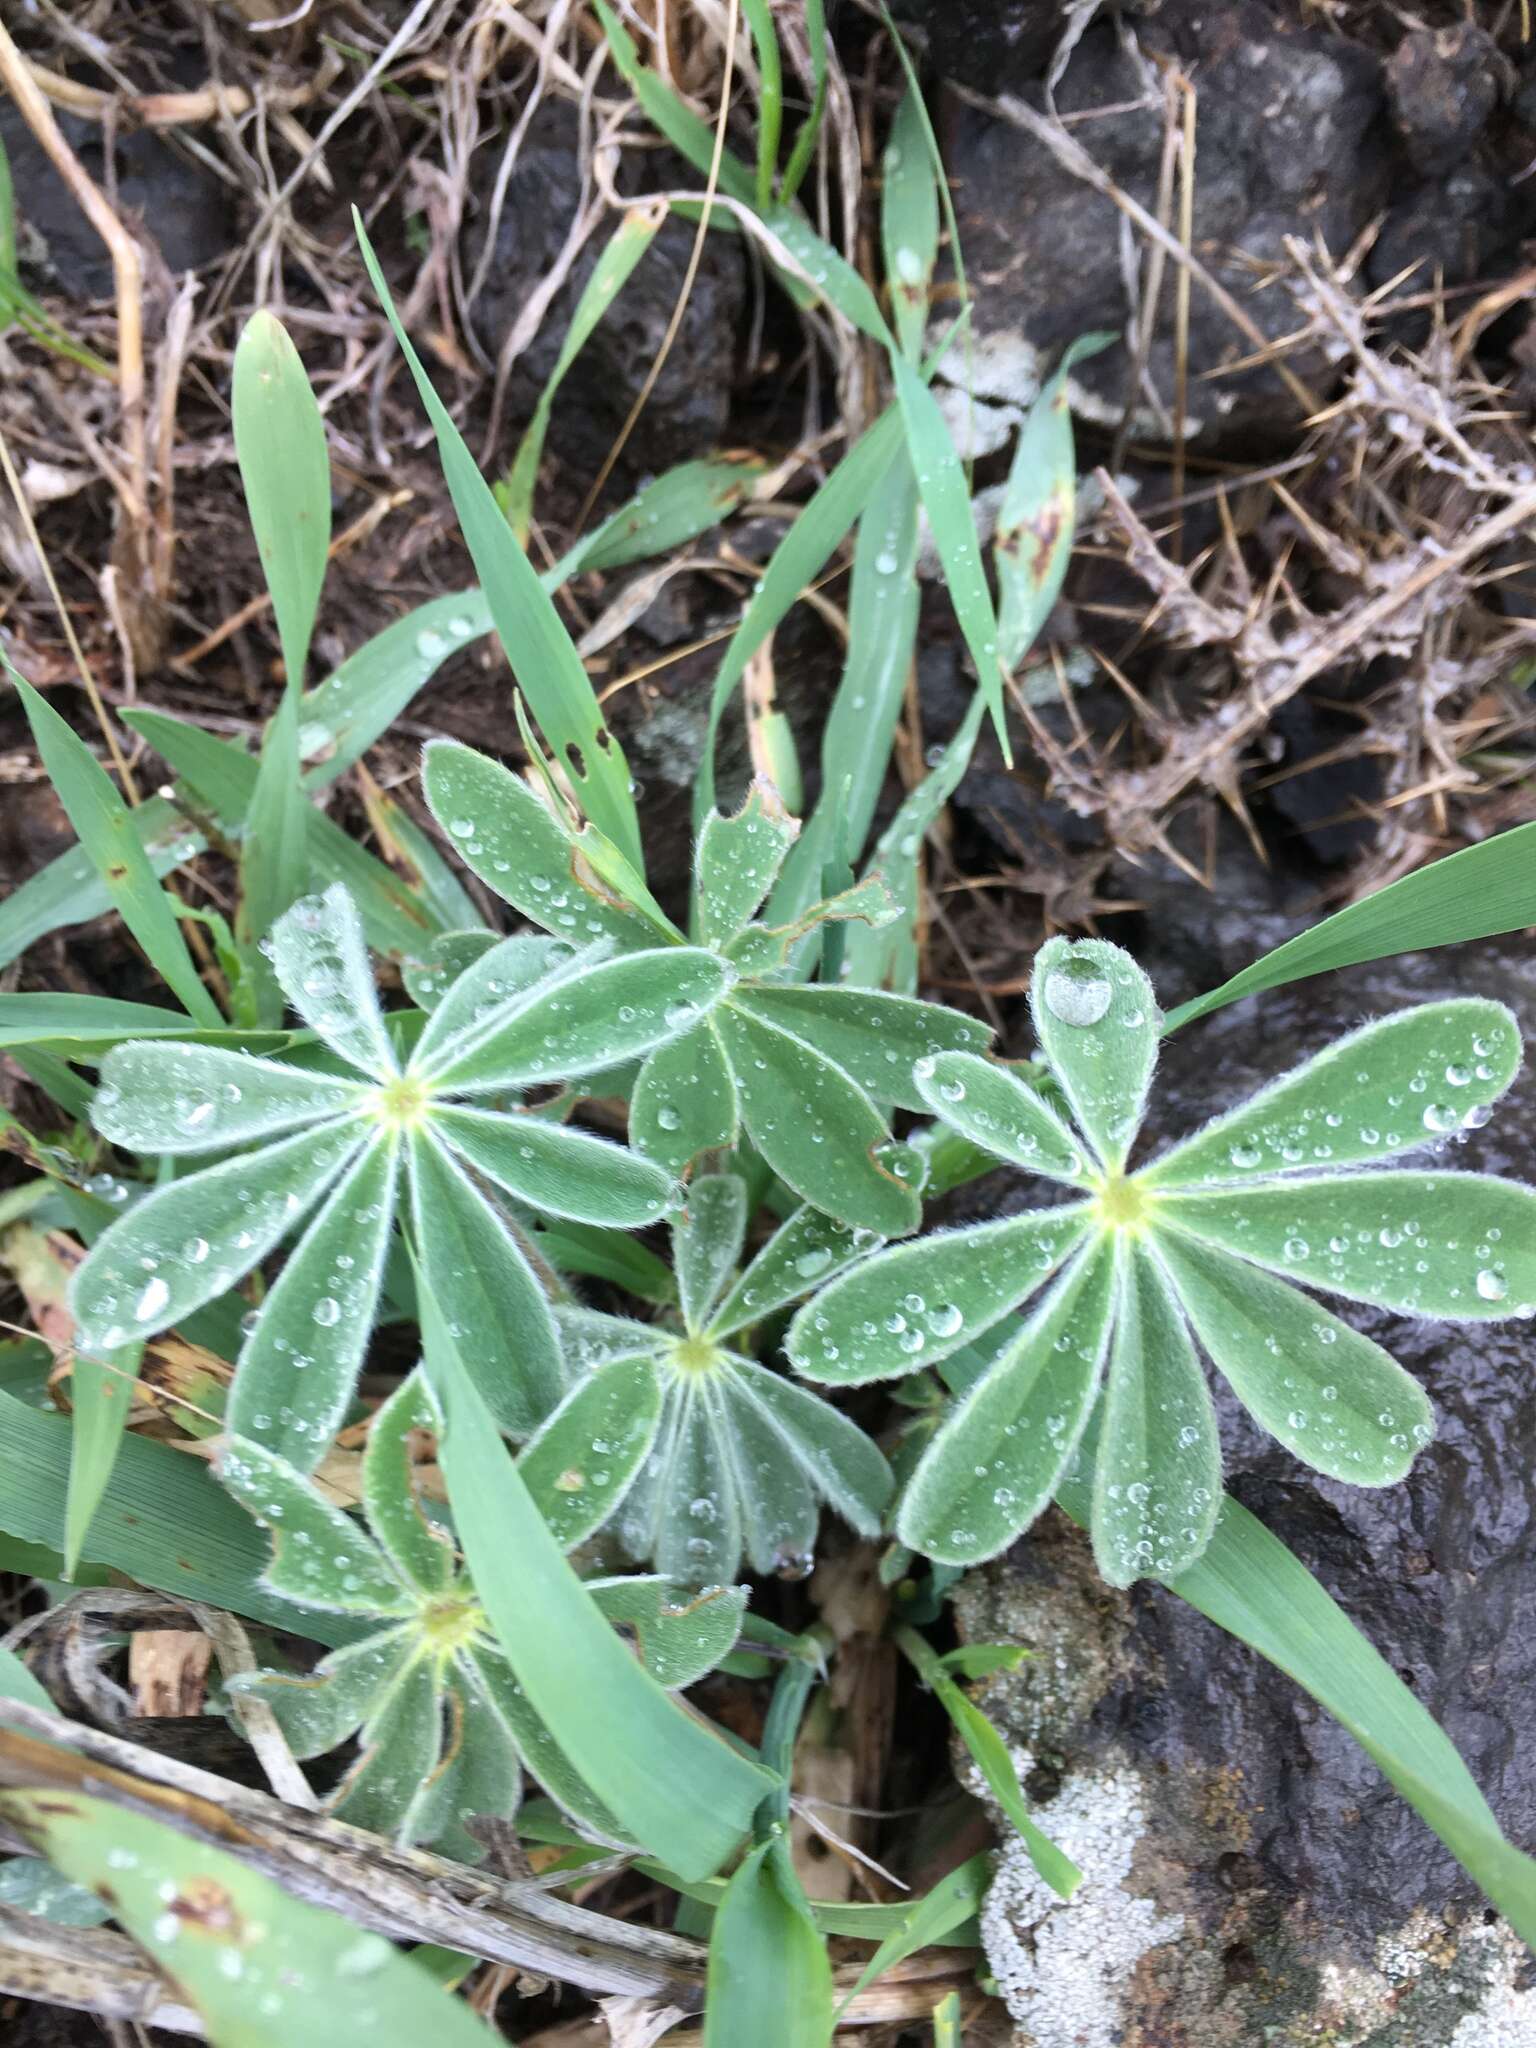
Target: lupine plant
1202	1246
742	1458
527	1012
442	1726
807	1070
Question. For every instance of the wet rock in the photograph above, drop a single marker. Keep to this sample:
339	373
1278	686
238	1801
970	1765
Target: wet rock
1292	141
173	200
1324	797
1453	231
1310	1901
992	46
1442	85
686	413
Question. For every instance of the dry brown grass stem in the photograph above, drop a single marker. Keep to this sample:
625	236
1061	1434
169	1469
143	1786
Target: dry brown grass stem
127	271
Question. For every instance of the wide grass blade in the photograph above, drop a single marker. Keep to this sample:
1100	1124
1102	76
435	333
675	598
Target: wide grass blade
794	565
285	469
1037	518
543	658
909	223
80	1027
1478	893
256	1964
628	243
680	1790
946	495
883	600
100	1396
163	1521
770	1978
104	824
952	1902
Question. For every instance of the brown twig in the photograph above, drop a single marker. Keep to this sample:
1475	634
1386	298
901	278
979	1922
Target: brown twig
127	271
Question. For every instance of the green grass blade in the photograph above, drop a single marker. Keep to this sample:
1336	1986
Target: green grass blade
257	1965
71	889
163	1521
770	1978
544	660
17	1682
628	243
950	1904
690	136
674	507
796	563
74	1025
680	1790
1478	893
100	1392
274	866
946	497
105	827
990	1755
17	305
286	472
395	917
1036	521
856	745
359	701
805	142
886	957
909	223
770	100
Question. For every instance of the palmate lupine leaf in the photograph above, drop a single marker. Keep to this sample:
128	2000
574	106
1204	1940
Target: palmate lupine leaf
810	1073
525	1012
443	1727
741	1459
1206	1244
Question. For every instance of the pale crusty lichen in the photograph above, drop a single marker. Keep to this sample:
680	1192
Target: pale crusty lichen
1062	1967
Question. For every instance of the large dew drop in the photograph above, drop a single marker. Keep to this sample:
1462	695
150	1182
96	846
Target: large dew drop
1077	993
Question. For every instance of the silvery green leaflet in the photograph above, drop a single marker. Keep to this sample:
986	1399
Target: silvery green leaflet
1204	1249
